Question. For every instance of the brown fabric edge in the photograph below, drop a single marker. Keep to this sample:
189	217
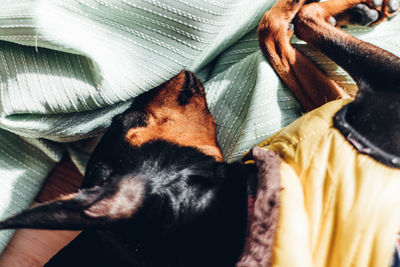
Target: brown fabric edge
259	243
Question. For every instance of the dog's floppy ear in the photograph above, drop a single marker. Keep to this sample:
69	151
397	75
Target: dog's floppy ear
98	206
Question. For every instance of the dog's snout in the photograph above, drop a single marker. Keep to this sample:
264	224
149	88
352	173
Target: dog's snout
192	82
191	86
178	113
190	79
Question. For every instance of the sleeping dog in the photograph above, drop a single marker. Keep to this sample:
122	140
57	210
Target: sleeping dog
321	192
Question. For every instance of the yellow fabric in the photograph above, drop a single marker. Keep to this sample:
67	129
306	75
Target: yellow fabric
338	207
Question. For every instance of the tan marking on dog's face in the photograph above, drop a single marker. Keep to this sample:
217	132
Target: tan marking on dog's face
186	125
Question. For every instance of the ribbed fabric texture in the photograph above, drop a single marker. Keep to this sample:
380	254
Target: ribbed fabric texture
67	67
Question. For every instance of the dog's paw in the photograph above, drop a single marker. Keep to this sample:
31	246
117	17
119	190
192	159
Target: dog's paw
370	12
277	21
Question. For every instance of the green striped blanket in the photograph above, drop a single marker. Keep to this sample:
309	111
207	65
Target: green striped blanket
67	67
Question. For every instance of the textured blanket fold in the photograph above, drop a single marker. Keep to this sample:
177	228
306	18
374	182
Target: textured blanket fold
67	67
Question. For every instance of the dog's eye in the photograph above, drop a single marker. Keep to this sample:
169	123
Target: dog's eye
103	181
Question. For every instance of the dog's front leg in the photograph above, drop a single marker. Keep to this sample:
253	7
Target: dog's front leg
375	112
369	66
306	81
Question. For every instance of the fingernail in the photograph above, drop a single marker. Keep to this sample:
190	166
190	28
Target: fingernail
361	7
369	17
332	21
377	2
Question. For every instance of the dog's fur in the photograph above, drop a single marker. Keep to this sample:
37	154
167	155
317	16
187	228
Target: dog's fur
156	192
374	113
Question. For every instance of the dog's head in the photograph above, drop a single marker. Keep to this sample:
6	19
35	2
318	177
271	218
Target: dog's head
157	183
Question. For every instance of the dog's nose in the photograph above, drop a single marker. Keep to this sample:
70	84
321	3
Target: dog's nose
191	87
191	80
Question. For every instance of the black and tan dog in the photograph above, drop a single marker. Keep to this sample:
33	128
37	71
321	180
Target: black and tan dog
157	193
